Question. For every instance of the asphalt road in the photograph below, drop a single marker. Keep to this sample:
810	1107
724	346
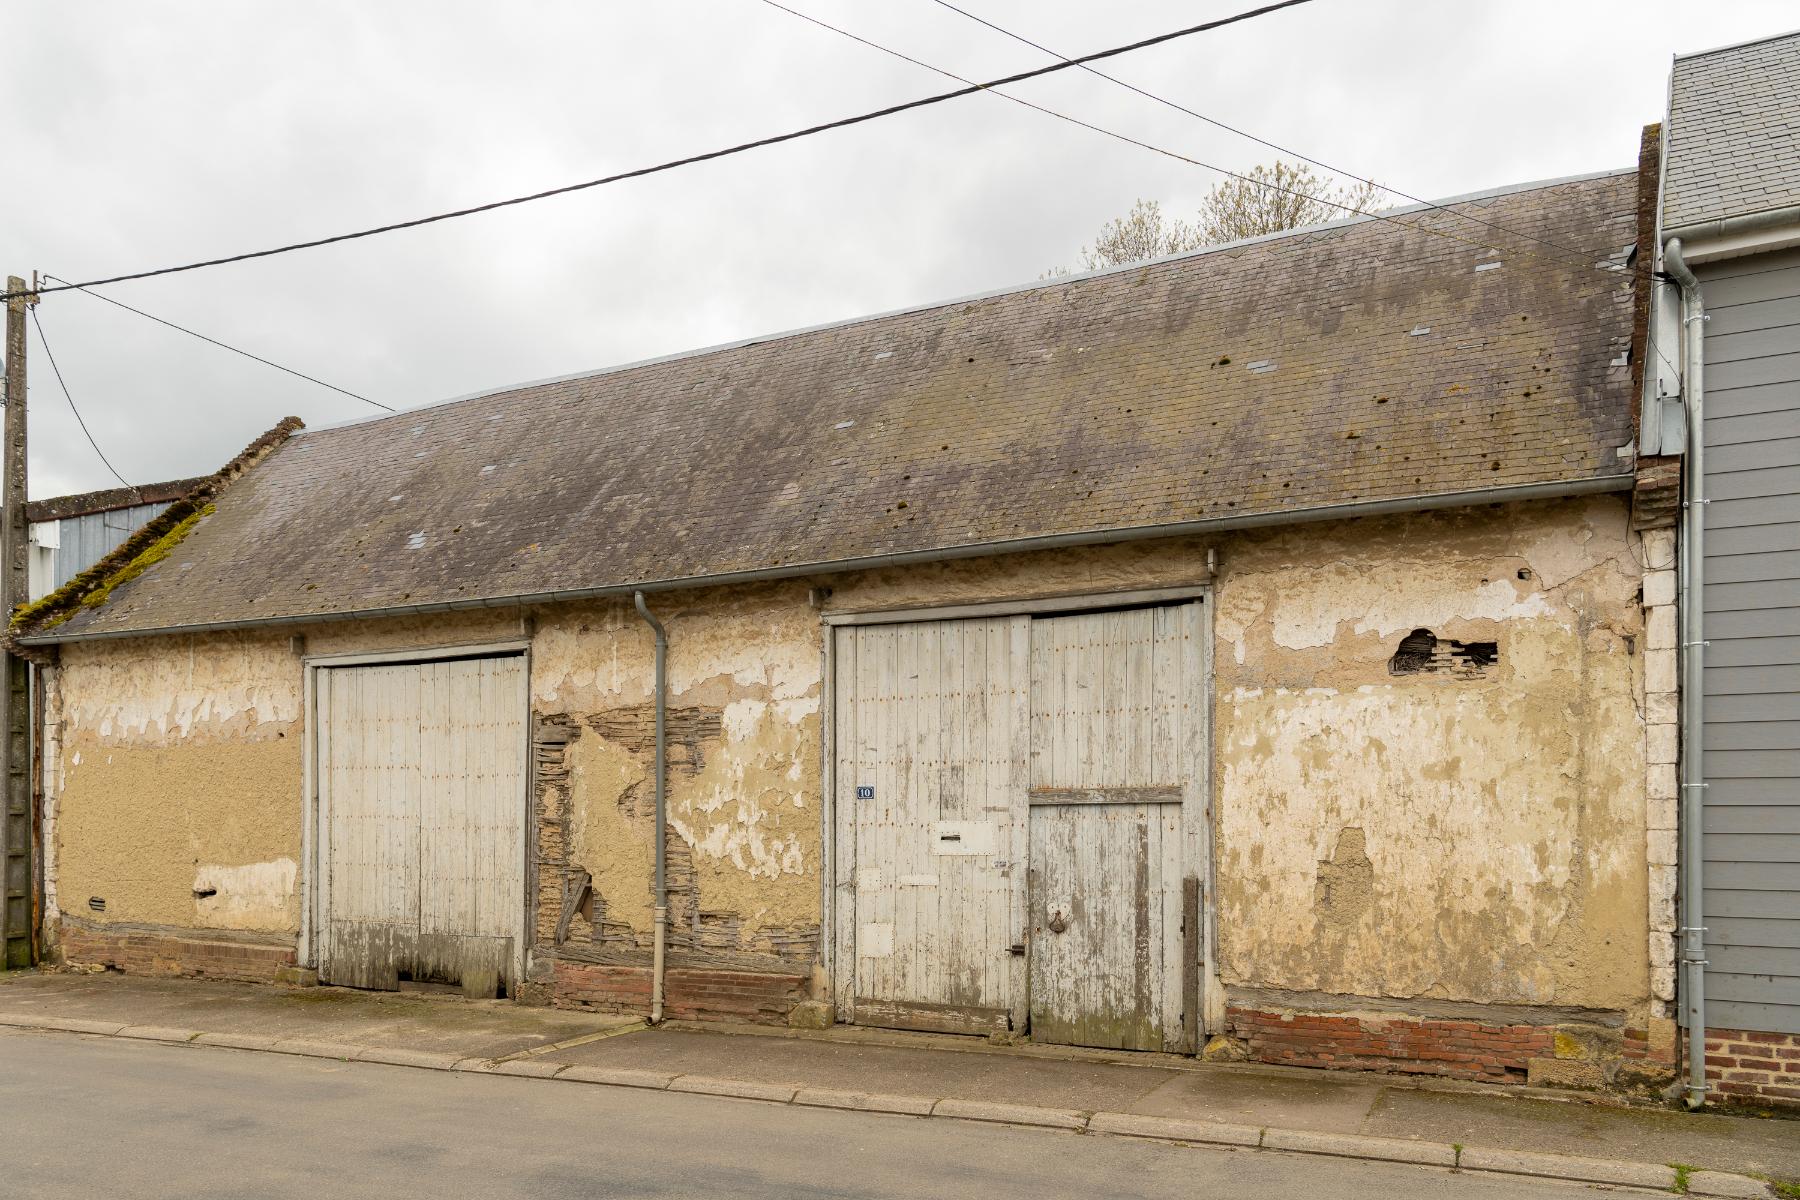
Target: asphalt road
85	1117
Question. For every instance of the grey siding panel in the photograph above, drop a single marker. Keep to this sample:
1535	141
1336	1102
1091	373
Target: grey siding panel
1754	989
1738	512
1752	735
1724	432
1728	876
1752	623
1768	450
1775	934
1751	810
1747	400
1761	593
1753	960
1756	792
1721	543
1766	819
1776	368
1773	1018
1751	652
1755	764
1752	681
1751	343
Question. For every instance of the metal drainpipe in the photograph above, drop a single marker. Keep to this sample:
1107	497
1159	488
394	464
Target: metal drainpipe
662	763
1693	680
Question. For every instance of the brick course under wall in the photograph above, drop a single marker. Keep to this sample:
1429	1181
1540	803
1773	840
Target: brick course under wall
689	994
1462	1049
174	954
1745	1067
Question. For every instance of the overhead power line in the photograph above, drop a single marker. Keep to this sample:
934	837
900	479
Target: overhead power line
60	382
1261	141
81	287
1390	218
690	160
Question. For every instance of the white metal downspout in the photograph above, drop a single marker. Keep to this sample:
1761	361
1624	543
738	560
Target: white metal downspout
1693	680
662	762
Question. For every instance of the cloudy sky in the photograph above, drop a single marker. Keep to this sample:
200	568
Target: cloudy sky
148	134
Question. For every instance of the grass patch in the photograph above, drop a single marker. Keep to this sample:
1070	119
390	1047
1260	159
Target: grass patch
1682	1171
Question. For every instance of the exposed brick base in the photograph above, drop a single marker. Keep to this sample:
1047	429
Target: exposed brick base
688	994
201	954
1754	1068
1463	1049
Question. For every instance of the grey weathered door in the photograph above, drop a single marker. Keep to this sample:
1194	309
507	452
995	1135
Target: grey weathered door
931	736
1112	702
421	770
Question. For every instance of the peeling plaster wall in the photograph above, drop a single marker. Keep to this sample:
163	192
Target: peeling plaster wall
745	670
1472	837
1435	836
177	771
1477	836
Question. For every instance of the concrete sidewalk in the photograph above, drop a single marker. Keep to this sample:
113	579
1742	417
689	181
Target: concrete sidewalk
1358	1115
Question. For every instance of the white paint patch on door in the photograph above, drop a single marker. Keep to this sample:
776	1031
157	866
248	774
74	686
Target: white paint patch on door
875	940
965	837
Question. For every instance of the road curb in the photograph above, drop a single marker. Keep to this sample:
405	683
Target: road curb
1720	1184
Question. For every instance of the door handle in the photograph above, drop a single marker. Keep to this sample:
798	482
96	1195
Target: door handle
1057	924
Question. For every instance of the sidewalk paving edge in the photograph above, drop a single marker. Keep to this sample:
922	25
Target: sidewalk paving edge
1483	1160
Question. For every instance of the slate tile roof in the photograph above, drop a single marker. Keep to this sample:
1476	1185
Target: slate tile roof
1354	362
1734	132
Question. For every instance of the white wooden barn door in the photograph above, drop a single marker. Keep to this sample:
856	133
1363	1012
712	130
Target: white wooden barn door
931	745
1109	773
421	774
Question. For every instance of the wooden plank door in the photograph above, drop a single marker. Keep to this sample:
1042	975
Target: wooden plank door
422	798
472	835
931	738
1110	694
369	756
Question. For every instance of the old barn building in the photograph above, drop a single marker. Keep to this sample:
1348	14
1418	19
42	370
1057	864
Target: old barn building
1260	646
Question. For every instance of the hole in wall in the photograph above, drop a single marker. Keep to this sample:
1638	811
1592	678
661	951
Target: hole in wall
1422	652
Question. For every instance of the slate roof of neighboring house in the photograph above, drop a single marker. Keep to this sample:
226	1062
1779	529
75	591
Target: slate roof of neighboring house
1353	362
1734	132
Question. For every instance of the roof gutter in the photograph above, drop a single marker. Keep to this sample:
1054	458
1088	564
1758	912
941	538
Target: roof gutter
1727	237
1554	490
1691	582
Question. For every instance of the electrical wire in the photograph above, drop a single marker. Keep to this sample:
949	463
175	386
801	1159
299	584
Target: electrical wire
222	345
690	160
45	343
1154	149
1280	149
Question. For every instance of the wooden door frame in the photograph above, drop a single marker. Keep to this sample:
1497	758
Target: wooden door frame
837	826
315	882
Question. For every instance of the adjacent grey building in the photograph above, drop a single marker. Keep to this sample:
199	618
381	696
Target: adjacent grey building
1730	248
69	534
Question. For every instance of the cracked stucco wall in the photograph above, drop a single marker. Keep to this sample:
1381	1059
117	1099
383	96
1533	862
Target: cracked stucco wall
176	770
1433	836
1452	837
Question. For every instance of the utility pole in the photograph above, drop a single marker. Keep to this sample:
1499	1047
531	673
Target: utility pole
17	921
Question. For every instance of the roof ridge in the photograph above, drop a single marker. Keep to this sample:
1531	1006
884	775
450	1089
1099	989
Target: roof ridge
1743	45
